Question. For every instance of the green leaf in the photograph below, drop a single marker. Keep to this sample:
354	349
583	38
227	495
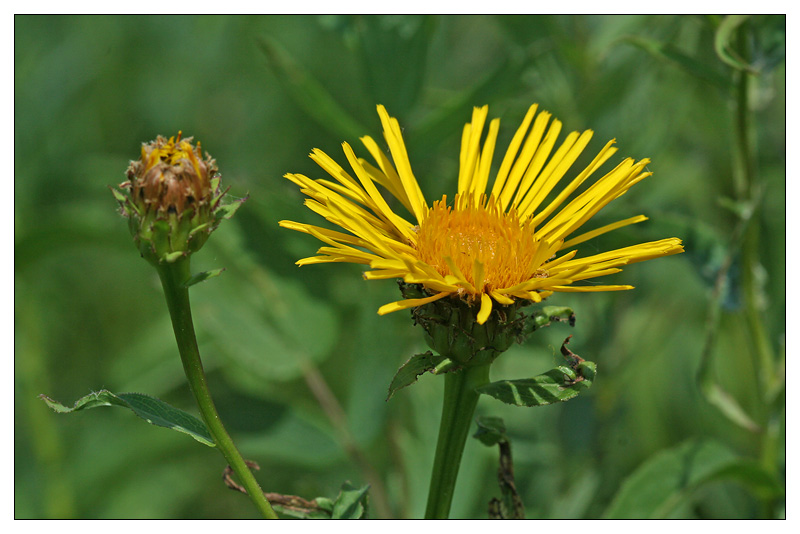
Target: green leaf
551	314
415	366
309	94
154	411
384	41
669	478
448	117
201	277
726	32
556	385
668	53
351	503
226	211
491	430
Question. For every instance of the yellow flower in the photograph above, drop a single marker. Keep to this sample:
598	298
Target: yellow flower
514	241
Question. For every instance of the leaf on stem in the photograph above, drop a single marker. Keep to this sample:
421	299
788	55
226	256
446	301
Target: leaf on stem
202	277
547	315
351	503
415	366
153	410
561	384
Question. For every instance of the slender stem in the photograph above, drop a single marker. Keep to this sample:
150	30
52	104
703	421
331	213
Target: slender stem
173	276
747	187
460	399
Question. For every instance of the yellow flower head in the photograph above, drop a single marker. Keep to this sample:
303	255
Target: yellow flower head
487	246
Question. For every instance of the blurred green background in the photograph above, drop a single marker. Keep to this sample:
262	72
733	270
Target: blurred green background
280	342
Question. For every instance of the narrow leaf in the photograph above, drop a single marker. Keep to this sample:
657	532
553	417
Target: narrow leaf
309	94
415	366
726	32
351	503
201	277
153	410
670	54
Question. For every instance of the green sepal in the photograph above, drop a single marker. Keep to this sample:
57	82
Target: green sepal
172	257
226	211
202	277
122	199
153	410
415	366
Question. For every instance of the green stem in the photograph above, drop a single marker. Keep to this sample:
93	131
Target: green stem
173	276
460	399
747	188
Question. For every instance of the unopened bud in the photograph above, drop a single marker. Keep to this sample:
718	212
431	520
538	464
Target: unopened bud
172	199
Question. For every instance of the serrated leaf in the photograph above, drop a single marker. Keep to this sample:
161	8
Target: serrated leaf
491	430
153	410
201	277
556	385
669	478
415	366
351	503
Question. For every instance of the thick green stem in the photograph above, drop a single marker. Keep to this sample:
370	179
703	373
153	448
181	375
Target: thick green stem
173	276
460	399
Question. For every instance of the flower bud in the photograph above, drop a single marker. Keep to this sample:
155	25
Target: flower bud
173	199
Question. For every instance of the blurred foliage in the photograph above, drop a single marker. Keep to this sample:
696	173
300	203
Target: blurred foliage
280	343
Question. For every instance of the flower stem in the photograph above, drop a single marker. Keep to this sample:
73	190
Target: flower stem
460	399
173	276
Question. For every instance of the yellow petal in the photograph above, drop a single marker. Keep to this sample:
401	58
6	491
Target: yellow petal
486	308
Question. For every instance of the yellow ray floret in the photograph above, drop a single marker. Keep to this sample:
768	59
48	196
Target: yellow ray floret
491	247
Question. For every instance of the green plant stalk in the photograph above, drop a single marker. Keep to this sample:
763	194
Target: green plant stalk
747	189
173	276
460	399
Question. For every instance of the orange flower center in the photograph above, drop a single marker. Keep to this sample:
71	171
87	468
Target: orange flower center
477	233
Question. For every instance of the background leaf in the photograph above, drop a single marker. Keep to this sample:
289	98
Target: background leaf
664	482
